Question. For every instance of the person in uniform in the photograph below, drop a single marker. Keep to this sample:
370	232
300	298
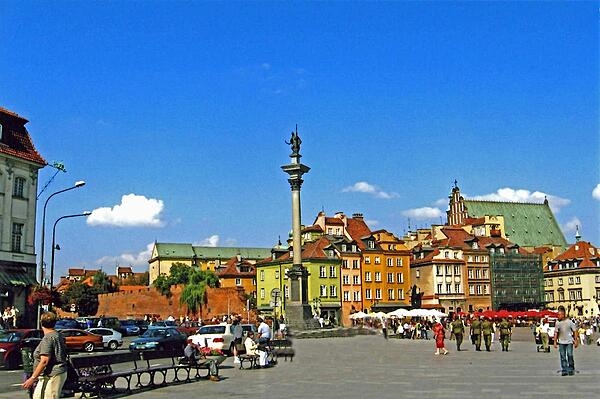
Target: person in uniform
476	334
505	332
486	329
458	330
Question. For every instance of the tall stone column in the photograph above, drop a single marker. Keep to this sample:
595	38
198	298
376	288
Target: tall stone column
297	308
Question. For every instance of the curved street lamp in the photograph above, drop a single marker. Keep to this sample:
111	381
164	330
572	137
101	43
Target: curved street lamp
77	184
54	246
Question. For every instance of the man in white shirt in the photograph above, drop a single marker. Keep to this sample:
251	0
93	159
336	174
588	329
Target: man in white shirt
544	328
264	332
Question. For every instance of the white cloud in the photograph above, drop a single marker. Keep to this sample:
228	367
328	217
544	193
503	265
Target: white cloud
212	241
364	187
128	259
596	192
133	211
508	194
424	213
571	225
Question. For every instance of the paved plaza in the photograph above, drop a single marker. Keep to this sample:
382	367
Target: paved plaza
369	366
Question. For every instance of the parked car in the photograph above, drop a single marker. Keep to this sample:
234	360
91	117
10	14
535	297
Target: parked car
189	327
66	323
142	324
105	321
163	323
11	343
81	340
129	327
159	338
218	336
111	339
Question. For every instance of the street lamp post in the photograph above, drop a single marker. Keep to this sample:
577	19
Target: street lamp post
77	184
87	213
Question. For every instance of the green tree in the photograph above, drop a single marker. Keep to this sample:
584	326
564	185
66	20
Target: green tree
83	296
138	279
194	297
103	283
163	285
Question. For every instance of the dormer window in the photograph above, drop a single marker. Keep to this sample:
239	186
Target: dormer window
475	245
371	244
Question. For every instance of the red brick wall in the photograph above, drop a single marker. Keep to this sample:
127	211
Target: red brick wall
137	303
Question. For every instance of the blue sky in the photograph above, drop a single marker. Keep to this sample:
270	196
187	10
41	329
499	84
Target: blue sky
176	114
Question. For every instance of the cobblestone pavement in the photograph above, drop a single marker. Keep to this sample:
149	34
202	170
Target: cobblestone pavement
369	366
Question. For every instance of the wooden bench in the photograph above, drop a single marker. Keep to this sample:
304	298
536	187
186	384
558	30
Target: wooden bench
282	348
174	360
93	373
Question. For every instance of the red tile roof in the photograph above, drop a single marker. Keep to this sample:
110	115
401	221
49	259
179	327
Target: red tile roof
16	141
582	251
334	221
231	269
311	250
357	228
126	270
76	272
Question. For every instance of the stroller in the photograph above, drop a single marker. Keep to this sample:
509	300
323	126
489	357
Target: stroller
538	341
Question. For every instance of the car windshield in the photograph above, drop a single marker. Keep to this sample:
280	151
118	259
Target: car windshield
212	330
10	336
154	332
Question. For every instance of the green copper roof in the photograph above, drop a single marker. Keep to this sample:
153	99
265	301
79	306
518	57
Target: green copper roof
528	225
188	251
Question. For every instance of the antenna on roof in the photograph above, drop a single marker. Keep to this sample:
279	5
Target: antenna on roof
408	224
60	167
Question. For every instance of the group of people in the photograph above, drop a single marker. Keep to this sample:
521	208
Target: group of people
10	317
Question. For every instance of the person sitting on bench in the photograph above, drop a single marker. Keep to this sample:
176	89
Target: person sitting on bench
252	349
192	355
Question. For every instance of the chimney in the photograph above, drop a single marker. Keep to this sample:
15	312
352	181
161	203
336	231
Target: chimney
358	216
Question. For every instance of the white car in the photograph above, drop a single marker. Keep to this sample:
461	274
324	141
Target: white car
218	336
111	339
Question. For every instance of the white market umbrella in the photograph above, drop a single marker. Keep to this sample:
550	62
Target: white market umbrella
358	315
398	313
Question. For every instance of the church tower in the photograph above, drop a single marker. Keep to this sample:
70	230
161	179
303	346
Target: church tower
457	212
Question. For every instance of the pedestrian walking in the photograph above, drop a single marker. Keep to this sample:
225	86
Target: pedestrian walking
486	330
458	330
439	332
505	333
476	334
564	339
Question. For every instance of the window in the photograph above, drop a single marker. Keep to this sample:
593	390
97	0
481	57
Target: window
549	296
343	247
254	281
471	289
446	254
448	288
371	244
368	276
486	273
439	288
356	280
577	280
400	277
345	279
378	293
368	293
332	272
378	276
285	274
479	289
377	260
455	255
356	295
438	270
238	281
457	270
560	281
346	296
399	262
262	293
448	270
390	261
276	274
390	277
486	289
367	259
561	296
322	272
597	282
570	280
390	294
353	247
550	281
457	288
400	293
323	290
478	273
417	273
332	291
262	275
345	264
17	235
18	187
355	264
470	273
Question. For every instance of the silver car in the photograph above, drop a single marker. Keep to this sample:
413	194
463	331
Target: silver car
111	339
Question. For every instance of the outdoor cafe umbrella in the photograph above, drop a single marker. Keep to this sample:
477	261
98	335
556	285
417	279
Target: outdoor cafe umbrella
398	313
358	315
